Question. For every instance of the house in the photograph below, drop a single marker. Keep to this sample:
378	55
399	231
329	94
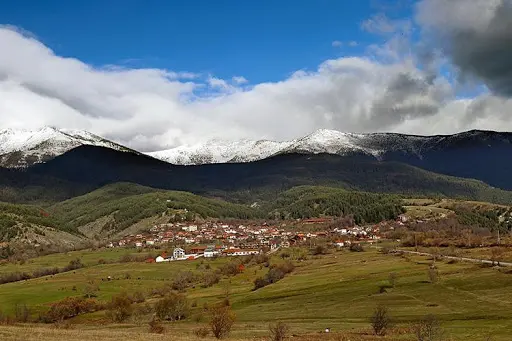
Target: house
339	243
210	252
178	253
161	259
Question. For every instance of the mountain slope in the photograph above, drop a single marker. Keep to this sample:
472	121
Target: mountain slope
96	166
116	207
470	154
21	148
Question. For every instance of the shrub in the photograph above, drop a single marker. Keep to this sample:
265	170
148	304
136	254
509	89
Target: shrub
278	331
260	282
22	313
210	278
428	329
73	265
183	280
230	269
392	279
173	307
155	326
433	275
356	247
380	320
221	321
70	307
120	308
138	297
319	250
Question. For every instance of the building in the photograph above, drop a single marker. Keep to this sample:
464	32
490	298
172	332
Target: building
178	253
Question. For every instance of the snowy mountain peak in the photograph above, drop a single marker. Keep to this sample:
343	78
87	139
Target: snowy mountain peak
22	148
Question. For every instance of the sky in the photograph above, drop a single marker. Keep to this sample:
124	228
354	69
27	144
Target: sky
158	74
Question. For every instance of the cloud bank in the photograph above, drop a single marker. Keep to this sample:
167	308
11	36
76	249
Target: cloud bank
387	90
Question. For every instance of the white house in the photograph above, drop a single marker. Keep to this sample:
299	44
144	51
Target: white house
190	228
210	253
161	259
178	253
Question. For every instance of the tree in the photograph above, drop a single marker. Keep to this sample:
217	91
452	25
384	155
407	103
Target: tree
428	329
392	279
120	308
222	319
173	307
380	320
278	331
433	274
91	289
496	254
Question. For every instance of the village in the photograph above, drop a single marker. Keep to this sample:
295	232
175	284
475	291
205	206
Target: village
227	239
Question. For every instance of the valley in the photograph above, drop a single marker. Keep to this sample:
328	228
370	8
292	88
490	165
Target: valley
110	243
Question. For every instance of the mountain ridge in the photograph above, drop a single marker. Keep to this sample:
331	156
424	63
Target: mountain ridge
21	148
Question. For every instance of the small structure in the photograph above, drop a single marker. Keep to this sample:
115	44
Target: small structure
178	253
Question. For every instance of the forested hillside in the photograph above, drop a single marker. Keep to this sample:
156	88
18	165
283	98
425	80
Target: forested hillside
96	167
308	201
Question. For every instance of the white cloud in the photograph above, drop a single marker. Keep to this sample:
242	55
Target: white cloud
239	80
151	109
337	43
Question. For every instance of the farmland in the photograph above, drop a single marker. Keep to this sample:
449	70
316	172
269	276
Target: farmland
339	290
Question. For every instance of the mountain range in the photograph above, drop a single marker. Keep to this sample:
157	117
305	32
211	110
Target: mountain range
481	155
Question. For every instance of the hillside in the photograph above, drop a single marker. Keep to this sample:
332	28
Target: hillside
96	166
114	208
32	225
308	201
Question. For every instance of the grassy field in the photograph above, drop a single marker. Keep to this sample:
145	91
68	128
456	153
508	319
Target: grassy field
339	290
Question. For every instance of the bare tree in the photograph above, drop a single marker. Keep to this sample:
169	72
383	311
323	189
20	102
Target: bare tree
221	321
380	320
392	279
428	329
278	331
433	274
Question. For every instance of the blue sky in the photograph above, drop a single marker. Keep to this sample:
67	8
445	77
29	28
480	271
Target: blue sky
55	75
262	40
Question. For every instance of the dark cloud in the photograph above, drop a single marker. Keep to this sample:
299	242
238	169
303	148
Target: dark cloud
479	45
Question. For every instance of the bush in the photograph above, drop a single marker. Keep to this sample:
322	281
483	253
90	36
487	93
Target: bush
428	329
70	307
155	326
278	331
221	321
22	313
230	269
392	279
380	320
210	278
274	274
183	280
174	307
138	297
75	264
120	308
319	250
433	275
356	247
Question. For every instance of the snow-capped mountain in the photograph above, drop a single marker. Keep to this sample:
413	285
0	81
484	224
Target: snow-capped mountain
22	148
377	145
321	141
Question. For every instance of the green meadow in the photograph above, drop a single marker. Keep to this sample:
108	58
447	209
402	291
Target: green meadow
339	290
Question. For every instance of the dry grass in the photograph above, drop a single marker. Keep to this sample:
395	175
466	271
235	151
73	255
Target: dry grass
50	333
